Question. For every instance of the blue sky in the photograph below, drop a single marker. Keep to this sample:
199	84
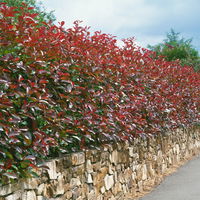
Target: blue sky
146	20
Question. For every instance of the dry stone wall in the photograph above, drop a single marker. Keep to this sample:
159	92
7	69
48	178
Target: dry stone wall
112	173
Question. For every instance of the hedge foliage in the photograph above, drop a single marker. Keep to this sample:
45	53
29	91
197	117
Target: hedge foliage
63	90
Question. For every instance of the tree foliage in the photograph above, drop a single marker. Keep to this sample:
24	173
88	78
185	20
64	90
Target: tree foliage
174	47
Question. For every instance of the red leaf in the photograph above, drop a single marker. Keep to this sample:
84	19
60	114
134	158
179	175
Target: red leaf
43	81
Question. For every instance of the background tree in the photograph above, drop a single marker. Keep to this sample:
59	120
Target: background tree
43	15
174	47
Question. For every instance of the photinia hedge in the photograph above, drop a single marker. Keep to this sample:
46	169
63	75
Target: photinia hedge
67	89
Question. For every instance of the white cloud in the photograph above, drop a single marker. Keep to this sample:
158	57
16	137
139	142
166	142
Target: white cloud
147	20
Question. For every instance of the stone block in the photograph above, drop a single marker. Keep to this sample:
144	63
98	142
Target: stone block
29	195
52	170
30	183
15	196
41	198
109	181
114	157
78	158
89	178
40	189
89	167
75	182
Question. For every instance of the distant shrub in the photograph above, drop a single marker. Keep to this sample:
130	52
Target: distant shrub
176	48
64	90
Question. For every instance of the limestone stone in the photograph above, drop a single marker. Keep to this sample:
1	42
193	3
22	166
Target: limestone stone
30	184
29	195
97	166
100	197
68	194
114	157
144	172
40	189
78	170
98	177
52	170
103	190
91	195
177	149
124	188
131	153
150	170
75	182
133	175
139	172
105	155
78	158
60	186
89	178
140	186
117	188
115	176
111	169
41	198
127	174
109	181
8	189
15	196
48	190
89	167
121	177
76	193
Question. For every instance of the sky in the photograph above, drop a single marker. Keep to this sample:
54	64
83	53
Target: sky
146	20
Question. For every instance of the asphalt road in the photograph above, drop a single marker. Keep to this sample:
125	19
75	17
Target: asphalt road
182	185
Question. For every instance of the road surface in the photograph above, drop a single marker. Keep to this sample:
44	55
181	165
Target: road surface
182	185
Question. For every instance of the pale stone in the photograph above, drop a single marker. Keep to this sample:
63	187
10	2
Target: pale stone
91	195
78	158
140	186
127	174
150	170
112	198
133	175
100	197
110	169
89	178
114	157
134	167
144	172
121	178
89	167
115	177
60	186
29	195
97	166
30	184
52	170
16	196
117	188
131	153
40	189
75	182
8	189
177	149
41	198
109	181
124	188
139	172
103	190
68	194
